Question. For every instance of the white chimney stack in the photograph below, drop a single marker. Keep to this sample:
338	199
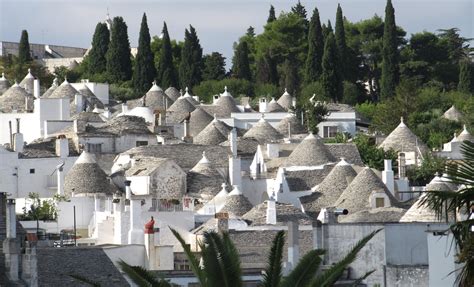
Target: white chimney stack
79	101
387	176
60	175
233	142
262	105
124	108
150	244
36	89
62	146
18	142
293	245
271	210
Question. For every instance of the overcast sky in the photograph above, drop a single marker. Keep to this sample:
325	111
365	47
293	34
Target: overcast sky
218	23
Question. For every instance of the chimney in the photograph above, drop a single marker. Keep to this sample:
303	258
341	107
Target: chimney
60	175
222	222
17	125
11	134
124	108
186	130
293	245
289	130
215	98
18	141
329	215
135	232
62	146
36	89
235	171
233	142
79	126
150	245
262	105
96	203
387	176
401	165
79	101
11	245
11	219
271	210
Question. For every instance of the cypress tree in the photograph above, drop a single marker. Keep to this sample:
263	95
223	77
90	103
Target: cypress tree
24	54
100	44
119	64
290	79
315	49
144	72
465	84
214	67
331	79
191	59
240	62
389	78
166	71
267	70
341	41
271	14
299	10
327	29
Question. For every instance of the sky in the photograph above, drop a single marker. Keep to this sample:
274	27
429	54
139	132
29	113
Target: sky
219	23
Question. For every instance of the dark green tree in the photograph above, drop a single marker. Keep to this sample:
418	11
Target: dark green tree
289	78
97	61
327	29
214	67
315	49
119	63
190	67
166	73
299	10
465	76
144	72
341	41
240	62
390	70
266	70
271	14
331	78
24	54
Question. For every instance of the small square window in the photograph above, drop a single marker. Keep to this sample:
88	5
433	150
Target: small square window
32	170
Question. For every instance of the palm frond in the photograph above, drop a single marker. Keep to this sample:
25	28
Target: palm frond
305	270
360	279
193	261
133	274
211	260
85	280
231	261
330	276
272	275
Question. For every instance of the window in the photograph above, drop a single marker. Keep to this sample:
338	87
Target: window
379	202
32	170
94	148
141	143
329	131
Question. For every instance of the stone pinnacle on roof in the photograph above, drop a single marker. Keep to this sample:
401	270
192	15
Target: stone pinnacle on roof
155	87
286	100
15	98
65	90
274	107
236	203
263	132
465	135
204	179
226	105
310	152
404	140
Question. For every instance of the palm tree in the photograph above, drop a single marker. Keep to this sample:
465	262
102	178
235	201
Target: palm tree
220	263
445	202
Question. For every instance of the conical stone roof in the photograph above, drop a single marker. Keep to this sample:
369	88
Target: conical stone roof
179	110
226	104
263	132
296	126
28	82
213	134
51	89
310	152
453	114
274	107
4	84
257	216
356	196
204	179
172	93
286	100
86	177
188	97
236	203
330	189
403	139
198	121
465	136
65	90
156	99
15	99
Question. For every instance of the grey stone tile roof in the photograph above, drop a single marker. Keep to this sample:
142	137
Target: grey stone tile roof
16	98
330	189
55	265
179	110
198	121
246	147
296	127
284	213
465	135
453	114
88	117
86	177
403	139
215	133
28	82
145	166
155	98
335	107
310	152
302	180
65	90
91	100
185	155
226	105
274	107
236	203
286	101
204	180
263	132
120	126
44	148
51	89
4	84
348	151
356	196
381	214
172	93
